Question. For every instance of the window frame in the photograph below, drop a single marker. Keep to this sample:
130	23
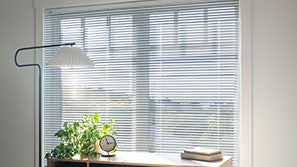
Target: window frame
246	107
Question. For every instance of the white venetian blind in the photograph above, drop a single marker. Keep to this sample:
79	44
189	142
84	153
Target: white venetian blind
168	74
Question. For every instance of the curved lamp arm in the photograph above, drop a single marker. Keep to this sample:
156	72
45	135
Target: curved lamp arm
36	47
39	99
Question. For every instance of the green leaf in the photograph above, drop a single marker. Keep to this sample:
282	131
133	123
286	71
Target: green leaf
113	122
65	124
60	133
96	117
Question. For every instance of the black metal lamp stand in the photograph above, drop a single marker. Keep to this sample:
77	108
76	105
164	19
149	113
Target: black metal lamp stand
40	90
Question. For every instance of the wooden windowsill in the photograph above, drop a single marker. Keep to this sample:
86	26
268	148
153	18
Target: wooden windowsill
141	159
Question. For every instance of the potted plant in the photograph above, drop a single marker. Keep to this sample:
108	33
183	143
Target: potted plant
81	138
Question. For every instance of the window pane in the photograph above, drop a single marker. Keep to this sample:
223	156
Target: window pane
169	75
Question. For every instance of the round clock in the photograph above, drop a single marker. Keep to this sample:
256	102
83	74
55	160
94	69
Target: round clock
108	143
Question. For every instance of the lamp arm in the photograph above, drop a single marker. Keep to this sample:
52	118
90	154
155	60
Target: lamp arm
36	47
40	92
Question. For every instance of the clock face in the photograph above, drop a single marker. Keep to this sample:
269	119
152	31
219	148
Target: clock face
108	143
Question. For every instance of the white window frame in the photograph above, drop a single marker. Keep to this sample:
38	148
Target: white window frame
246	136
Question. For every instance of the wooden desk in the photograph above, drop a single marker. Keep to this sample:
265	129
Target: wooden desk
139	159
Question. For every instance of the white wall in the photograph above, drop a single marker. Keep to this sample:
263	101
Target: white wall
274	43
275	82
16	85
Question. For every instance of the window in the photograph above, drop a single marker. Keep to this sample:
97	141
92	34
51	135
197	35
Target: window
169	75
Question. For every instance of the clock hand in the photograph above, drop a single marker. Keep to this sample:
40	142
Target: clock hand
107	141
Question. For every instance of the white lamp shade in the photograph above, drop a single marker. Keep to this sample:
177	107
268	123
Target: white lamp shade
70	57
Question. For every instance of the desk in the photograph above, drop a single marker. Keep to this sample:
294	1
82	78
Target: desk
138	159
